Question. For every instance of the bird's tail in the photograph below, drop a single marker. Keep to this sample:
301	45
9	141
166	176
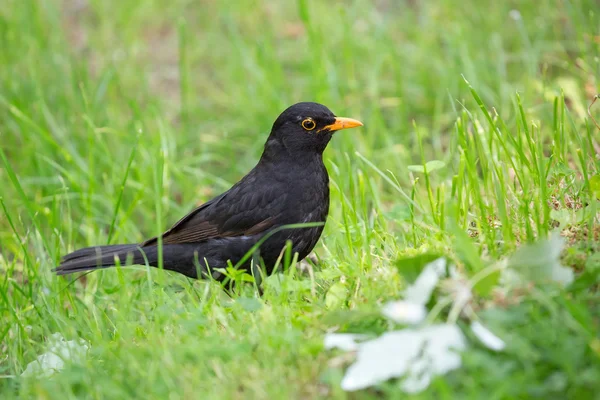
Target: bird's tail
177	258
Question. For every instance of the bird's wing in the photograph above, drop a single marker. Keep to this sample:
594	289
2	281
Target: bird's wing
248	208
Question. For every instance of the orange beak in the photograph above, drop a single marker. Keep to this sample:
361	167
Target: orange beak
342	123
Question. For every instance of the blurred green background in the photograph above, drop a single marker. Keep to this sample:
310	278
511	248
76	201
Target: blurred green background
114	111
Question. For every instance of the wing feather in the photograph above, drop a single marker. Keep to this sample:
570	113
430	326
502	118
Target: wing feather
243	210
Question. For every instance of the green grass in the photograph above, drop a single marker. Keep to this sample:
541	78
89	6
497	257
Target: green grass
117	118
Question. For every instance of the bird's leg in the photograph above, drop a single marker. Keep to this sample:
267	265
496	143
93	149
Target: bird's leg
257	272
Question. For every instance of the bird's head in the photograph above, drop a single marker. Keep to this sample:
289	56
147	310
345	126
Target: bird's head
305	128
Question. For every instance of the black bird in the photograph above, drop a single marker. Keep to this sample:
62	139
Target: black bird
289	185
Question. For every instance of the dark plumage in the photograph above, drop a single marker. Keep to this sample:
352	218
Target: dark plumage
289	185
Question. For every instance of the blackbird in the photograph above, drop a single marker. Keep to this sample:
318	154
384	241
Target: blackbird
288	185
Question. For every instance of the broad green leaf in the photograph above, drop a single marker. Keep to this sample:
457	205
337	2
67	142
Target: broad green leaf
466	249
484	286
336	295
469	254
416	168
410	267
431	166
435	165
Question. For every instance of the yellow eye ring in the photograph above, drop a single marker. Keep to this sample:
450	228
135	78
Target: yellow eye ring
309	124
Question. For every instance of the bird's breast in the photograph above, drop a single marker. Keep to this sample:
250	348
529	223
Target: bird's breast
308	202
310	194
300	190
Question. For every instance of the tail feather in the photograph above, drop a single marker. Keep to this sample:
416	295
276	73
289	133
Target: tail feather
182	258
96	251
97	257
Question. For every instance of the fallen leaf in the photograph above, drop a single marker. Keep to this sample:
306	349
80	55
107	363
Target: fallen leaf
336	295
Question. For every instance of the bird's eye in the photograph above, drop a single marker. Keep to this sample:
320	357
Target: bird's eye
309	124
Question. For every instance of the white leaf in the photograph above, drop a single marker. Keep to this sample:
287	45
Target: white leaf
420	291
54	359
486	337
540	261
562	274
343	341
416	354
405	312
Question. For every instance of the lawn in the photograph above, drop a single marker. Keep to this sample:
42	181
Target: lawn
119	117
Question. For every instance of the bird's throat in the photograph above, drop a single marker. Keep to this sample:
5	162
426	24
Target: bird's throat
276	152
